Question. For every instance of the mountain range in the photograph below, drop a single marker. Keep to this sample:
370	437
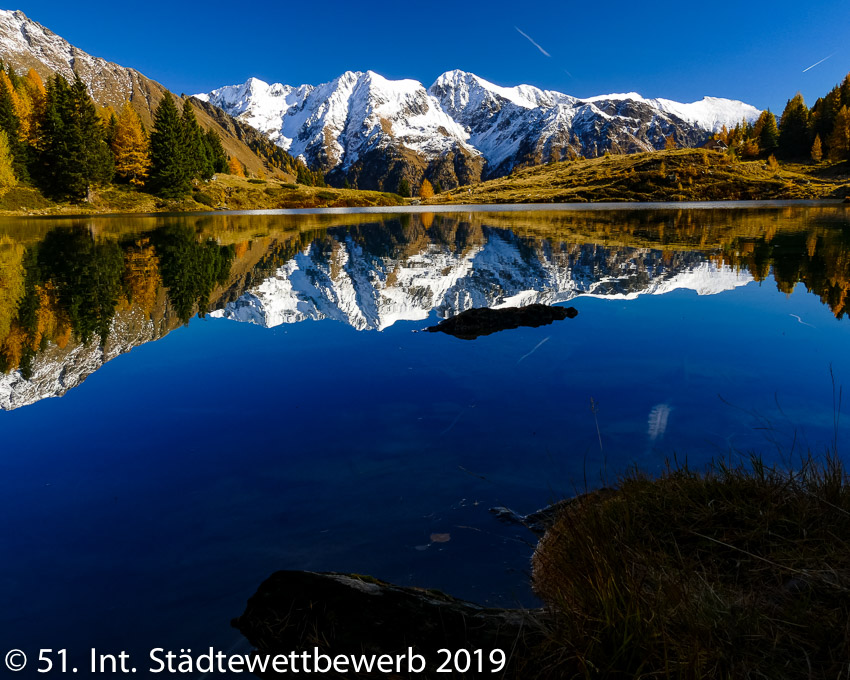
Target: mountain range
373	132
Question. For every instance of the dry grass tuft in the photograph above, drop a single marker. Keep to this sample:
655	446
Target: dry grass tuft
740	572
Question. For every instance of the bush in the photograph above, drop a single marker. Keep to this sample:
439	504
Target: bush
204	199
256	181
326	195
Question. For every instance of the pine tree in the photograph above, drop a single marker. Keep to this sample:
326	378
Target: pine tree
767	132
404	188
199	163
839	140
793	129
94	160
215	151
817	150
169	175
130	147
7	173
74	155
426	190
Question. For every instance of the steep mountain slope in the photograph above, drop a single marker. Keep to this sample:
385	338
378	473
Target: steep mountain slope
373	131
26	44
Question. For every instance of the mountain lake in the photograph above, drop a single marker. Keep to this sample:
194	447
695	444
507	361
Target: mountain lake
192	402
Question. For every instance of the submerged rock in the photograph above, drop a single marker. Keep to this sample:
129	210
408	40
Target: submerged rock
479	321
347	614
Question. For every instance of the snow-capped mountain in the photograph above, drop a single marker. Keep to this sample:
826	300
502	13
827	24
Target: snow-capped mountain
373	131
347	283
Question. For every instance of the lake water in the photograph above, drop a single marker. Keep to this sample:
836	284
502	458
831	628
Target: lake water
302	422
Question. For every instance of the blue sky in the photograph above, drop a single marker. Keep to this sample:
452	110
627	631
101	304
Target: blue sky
756	52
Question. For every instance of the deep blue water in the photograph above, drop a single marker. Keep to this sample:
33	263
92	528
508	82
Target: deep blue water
146	505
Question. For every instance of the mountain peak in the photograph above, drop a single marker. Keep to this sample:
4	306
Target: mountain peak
367	128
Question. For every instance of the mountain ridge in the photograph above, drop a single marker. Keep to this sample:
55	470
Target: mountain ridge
26	44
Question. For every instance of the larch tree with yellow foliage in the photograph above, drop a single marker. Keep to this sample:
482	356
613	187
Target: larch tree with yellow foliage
426	190
130	147
235	167
7	172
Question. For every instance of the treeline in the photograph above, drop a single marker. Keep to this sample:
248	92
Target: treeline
801	133
56	138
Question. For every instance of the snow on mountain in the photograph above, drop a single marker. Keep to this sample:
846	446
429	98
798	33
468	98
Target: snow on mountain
370	292
358	124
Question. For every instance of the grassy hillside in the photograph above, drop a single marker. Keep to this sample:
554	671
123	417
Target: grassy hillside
225	192
681	175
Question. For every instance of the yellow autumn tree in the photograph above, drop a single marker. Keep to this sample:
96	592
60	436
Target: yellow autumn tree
234	167
817	150
33	86
130	146
426	190
17	105
7	173
670	143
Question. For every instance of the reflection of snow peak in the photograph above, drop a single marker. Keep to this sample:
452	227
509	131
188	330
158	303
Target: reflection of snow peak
369	292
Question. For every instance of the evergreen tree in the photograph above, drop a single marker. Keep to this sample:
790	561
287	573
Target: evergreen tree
215	151
170	176
199	163
93	158
74	155
839	140
404	188
303	175
130	147
768	132
793	129
824	112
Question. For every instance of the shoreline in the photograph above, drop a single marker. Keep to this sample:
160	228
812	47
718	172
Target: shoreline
452	208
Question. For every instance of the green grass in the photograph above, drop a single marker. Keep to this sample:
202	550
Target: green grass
739	572
681	175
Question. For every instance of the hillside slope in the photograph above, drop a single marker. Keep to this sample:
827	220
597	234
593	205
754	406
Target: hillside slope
26	44
681	175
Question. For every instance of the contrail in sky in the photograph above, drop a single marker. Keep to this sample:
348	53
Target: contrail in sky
531	40
804	70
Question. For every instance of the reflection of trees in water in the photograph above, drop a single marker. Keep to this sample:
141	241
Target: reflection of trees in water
71	285
73	281
819	258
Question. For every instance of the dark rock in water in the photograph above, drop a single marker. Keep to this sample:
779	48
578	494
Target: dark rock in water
472	323
342	614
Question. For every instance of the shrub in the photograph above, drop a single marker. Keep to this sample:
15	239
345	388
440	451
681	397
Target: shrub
204	199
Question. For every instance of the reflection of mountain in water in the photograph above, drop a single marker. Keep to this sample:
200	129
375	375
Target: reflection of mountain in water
346	282
73	298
